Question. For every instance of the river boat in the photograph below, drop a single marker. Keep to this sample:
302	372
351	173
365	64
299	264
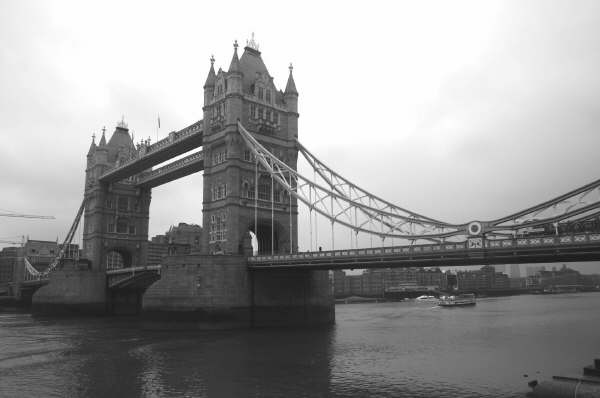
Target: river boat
462	300
426	298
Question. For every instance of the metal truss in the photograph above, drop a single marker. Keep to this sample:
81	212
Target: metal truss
344	203
577	205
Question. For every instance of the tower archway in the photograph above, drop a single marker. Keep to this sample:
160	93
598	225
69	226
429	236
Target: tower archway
268	238
117	258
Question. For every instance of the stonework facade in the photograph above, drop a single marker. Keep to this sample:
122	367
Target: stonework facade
233	189
116	215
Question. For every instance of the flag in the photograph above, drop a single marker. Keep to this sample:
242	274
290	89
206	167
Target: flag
158	121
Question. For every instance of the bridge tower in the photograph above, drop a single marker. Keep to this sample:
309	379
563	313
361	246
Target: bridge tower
115	233
246	93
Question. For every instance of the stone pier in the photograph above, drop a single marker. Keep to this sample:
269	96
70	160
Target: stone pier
75	289
220	292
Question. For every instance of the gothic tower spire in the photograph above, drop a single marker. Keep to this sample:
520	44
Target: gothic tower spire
210	79
234	67
290	87
92	149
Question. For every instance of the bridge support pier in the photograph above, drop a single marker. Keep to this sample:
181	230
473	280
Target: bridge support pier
74	289
219	292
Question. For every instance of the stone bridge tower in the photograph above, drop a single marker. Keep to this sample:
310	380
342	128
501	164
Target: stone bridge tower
116	215
246	92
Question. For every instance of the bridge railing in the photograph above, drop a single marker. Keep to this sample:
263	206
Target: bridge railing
518	243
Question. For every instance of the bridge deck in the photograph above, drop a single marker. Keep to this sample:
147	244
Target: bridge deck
542	249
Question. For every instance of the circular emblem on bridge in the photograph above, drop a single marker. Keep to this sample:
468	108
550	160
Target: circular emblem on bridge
474	228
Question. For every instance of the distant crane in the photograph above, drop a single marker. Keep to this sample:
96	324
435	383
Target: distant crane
20	215
11	242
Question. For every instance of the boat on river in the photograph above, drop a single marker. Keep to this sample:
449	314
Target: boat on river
462	300
426	298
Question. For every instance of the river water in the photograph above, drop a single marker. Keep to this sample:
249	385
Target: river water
374	350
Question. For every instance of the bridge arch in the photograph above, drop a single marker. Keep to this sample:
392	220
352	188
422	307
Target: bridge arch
265	240
118	257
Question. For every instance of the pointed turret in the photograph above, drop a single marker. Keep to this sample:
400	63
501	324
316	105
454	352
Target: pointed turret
290	96
234	75
92	149
234	67
102	143
290	87
212	77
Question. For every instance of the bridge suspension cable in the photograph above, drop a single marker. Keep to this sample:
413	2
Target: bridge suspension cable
66	245
344	203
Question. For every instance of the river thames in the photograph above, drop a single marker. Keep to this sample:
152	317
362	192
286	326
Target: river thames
408	349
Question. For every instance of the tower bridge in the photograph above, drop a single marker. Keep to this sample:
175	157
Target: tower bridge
248	148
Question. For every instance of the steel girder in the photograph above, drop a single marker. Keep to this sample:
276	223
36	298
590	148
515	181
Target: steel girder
343	202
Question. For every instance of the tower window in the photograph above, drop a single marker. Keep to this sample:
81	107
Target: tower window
218	228
264	188
260	93
268	96
123	203
252	110
122	226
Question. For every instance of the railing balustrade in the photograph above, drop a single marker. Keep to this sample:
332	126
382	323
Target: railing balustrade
538	241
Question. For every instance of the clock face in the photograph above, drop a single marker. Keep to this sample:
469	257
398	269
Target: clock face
475	243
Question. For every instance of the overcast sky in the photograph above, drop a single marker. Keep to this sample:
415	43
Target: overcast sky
456	110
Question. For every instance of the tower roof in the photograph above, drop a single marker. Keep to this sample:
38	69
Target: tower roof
120	138
251	65
92	146
103	138
290	87
234	67
212	77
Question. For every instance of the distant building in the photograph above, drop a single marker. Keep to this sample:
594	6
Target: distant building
376	282
178	240
500	267
532	270
8	262
483	279
517	283
515	271
562	277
